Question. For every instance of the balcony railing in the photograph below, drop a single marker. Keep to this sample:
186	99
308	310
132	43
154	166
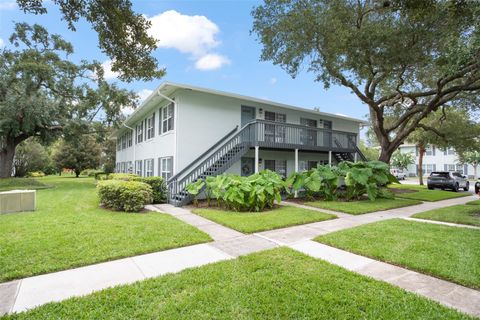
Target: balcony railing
279	135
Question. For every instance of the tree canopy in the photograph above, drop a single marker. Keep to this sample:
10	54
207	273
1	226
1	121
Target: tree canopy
122	33
44	94
404	59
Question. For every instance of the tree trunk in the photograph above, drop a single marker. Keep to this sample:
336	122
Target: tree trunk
421	152
77	173
6	159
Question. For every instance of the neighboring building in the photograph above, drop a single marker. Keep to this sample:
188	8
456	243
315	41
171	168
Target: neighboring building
181	133
436	159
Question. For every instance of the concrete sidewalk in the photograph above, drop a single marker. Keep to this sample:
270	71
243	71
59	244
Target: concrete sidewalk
24	294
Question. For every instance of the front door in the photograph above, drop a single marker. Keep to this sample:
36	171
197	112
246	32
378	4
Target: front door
247	166
248	114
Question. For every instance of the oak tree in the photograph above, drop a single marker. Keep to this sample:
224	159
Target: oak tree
404	59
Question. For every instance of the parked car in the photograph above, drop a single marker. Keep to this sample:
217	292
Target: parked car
398	173
477	187
447	180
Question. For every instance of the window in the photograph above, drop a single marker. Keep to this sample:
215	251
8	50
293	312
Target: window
326	124
451	151
459	169
430	151
149	168
428	168
304	165
150	126
129	167
124	141
165	165
167	118
279	166
308	136
138	167
274	132
139	132
449	167
129	139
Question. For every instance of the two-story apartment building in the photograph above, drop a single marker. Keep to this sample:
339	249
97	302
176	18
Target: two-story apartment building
182	132
436	159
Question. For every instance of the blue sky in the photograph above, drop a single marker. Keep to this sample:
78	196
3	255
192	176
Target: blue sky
203	43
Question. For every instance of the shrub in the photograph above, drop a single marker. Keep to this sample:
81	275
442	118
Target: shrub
130	196
252	193
156	183
158	187
36	174
348	179
91	172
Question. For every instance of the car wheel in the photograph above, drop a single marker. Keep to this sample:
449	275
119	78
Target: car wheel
467	186
429	187
455	188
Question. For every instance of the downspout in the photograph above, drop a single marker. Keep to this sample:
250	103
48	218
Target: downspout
175	115
133	142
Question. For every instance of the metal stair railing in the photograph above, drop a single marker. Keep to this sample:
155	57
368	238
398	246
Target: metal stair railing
216	163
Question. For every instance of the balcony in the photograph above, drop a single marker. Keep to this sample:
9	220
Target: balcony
277	135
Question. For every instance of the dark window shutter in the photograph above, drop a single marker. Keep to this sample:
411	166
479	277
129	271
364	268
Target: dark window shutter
445	168
433	150
145	131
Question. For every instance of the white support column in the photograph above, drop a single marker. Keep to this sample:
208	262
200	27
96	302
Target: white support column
330	158
296	169
256	158
355	157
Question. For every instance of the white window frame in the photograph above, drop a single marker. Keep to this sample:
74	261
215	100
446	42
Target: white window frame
149	167
150	127
139	132
138	167
164	171
167	118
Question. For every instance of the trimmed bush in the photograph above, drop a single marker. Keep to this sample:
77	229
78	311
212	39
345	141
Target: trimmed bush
156	183
91	173
158	187
130	196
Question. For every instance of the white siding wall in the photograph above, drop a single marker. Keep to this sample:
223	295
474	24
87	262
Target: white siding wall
202	119
161	145
205	118
439	160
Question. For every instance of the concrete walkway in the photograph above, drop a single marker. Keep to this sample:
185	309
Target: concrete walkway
24	294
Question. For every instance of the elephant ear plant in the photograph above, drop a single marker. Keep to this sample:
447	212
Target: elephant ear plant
253	193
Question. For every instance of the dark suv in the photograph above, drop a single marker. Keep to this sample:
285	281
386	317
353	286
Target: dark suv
447	180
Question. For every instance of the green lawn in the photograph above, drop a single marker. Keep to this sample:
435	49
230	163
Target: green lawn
21	183
70	230
462	214
362	206
423	194
249	222
450	253
275	284
474	202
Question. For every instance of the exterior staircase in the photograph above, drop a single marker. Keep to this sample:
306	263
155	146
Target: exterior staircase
216	160
265	134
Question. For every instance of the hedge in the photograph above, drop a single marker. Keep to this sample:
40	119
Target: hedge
157	183
130	196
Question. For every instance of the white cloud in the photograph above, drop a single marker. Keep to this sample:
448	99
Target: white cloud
2	43
8	5
107	71
211	61
143	94
194	35
273	81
